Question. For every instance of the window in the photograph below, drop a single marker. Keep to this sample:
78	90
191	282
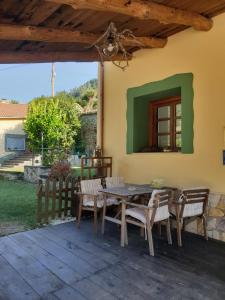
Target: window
165	125
15	142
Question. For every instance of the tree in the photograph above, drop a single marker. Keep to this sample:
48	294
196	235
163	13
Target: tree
86	95
57	119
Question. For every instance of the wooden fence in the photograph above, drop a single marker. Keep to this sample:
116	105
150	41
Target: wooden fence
56	198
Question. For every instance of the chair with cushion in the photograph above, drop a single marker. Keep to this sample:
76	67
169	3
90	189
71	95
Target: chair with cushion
92	200
112	182
192	203
145	216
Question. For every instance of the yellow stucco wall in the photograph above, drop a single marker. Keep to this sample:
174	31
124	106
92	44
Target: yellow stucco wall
203	54
9	126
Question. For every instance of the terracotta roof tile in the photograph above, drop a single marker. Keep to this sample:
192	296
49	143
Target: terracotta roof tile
17	111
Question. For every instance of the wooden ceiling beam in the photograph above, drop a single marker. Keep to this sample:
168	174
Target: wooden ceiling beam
14	57
43	34
144	10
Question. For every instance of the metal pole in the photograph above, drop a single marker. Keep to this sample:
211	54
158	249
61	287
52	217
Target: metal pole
53	79
42	148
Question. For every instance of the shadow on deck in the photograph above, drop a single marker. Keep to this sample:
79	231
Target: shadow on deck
63	262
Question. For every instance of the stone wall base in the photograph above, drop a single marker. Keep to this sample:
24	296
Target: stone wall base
34	173
216	219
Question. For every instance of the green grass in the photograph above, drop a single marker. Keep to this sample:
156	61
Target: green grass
76	172
17	203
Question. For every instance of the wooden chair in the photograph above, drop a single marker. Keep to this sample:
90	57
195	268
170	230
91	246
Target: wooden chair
92	200
145	216
192	203
112	182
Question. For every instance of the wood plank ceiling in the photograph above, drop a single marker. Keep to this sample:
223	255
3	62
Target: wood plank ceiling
47	14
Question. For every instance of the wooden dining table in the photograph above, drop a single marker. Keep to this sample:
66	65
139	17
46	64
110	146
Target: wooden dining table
125	193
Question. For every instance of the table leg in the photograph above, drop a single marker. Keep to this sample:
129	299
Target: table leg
123	204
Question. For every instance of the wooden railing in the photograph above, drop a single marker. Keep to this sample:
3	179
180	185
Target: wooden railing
56	198
96	167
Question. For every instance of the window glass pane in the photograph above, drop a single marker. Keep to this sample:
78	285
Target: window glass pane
178	124
163	141
164	126
164	112
178	140
178	110
15	143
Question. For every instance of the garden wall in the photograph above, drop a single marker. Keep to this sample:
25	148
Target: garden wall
34	173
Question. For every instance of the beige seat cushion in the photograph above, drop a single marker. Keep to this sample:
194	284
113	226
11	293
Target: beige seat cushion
190	210
162	213
109	201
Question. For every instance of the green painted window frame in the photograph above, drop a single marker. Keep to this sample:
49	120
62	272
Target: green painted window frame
138	99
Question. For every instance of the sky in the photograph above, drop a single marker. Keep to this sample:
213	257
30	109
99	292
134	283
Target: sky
23	82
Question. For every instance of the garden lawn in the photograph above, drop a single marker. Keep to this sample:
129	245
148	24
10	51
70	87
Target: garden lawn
17	206
77	170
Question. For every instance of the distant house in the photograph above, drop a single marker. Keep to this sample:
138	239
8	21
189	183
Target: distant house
12	135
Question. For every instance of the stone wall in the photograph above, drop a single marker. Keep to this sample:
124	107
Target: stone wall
34	173
216	219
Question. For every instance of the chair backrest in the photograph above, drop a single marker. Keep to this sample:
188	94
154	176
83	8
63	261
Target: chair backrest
159	202
114	182
194	201
154	196
91	186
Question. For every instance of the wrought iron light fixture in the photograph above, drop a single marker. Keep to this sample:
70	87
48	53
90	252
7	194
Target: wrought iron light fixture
111	44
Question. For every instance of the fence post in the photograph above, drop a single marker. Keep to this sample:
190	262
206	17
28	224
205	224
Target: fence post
46	200
53	198
39	201
60	196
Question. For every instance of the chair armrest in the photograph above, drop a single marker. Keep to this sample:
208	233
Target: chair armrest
176	202
86	194
138	205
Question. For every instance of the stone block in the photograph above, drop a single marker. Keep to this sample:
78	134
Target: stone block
216	235
221	204
222	236
210	234
221	225
215	212
214	199
211	223
192	227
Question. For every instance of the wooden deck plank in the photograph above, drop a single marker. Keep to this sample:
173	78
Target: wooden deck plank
117	286
85	242
77	264
72	245
34	273
53	264
67	293
92	291
12	286
64	262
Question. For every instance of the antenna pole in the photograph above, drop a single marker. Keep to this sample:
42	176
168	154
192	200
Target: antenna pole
53	79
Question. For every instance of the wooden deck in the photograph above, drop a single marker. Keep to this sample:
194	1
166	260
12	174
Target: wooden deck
63	262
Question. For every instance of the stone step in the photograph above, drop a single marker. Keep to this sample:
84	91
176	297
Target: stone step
19	160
